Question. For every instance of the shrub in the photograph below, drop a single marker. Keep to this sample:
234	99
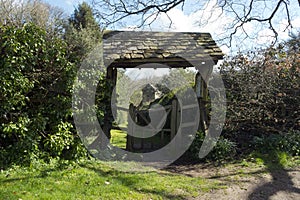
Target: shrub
223	150
288	143
36	83
263	91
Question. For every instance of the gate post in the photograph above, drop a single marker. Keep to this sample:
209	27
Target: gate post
111	78
129	139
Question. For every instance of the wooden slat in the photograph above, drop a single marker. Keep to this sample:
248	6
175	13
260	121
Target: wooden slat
188	124
123	109
190	106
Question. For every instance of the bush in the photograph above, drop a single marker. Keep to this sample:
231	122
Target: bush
36	83
288	143
263	98
263	91
224	149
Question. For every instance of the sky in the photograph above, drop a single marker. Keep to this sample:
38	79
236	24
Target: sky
193	19
67	5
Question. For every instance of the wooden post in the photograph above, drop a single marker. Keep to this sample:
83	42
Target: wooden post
173	119
198	90
178	123
111	78
204	104
202	95
129	140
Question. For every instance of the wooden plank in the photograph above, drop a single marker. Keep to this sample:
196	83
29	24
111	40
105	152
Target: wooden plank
190	106
123	109
161	122
166	62
188	124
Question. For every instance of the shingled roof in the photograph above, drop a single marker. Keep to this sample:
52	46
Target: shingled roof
133	48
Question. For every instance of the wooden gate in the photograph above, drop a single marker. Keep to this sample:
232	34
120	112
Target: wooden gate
171	126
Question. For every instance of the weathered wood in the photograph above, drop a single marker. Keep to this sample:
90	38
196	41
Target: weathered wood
202	95
173	119
204	105
178	125
129	140
123	109
111	77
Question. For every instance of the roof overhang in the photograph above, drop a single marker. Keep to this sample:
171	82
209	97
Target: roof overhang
130	49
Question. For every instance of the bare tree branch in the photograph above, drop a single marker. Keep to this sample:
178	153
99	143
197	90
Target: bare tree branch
243	12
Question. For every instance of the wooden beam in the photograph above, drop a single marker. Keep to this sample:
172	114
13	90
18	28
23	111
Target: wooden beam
165	63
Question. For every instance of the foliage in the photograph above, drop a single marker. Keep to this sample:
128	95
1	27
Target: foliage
35	96
263	98
83	18
82	33
288	143
224	149
263	90
178	77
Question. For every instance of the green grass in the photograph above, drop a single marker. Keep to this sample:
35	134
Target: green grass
275	160
97	180
108	180
118	138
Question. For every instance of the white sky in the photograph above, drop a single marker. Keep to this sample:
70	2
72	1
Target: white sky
217	23
211	19
193	19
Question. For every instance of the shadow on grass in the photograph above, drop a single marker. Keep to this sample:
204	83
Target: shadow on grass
281	180
132	181
139	182
41	174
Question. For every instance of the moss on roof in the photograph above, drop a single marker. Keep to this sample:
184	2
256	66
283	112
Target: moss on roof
175	49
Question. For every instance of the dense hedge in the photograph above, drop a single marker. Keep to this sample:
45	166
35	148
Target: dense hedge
36	83
263	98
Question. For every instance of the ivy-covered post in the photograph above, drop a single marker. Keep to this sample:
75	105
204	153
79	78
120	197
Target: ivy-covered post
111	78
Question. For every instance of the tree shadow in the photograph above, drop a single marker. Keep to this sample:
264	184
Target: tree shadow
134	182
281	179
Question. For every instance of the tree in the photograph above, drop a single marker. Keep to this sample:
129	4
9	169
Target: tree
241	12
83	33
83	18
17	13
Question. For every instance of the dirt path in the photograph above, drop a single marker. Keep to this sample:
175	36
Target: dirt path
249	183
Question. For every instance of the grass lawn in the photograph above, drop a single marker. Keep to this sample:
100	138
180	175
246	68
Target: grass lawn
118	138
91	179
97	180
